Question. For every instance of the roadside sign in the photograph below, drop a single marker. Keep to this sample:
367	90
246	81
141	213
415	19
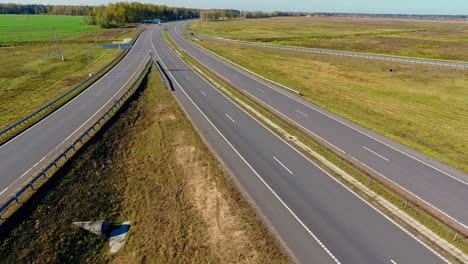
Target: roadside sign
117	46
187	26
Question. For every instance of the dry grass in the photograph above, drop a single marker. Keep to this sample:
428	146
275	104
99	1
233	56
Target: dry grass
151	167
419	38
28	81
422	107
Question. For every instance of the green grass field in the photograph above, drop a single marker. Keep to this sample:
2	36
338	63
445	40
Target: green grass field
148	165
419	38
423	107
27	27
27	80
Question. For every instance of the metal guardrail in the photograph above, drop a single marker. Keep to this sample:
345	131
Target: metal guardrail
380	186
396	58
62	97
48	171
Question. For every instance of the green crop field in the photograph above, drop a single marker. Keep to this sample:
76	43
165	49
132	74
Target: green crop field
424	107
27	27
27	80
419	38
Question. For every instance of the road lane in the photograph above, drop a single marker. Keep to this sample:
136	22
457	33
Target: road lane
337	226
439	186
24	155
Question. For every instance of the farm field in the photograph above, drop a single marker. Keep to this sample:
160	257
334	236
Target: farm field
27	80
417	38
423	107
182	205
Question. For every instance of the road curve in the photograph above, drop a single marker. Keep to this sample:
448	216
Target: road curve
24	155
439	186
318	219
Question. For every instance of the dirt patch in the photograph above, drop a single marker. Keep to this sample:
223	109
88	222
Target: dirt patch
227	237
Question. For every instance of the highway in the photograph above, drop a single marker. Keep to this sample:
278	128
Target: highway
440	187
361	55
23	156
318	219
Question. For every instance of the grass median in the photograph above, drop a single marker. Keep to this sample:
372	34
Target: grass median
295	136
423	107
150	166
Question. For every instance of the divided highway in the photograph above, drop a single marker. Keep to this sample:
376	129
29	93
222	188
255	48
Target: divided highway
23	156
439	186
317	218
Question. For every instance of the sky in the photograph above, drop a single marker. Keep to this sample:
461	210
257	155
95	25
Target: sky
442	7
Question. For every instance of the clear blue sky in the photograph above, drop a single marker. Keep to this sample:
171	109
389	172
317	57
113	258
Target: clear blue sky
444	7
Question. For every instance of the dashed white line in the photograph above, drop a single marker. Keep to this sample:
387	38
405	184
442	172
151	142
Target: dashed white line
203	93
302	113
283	165
375	153
260	90
392	261
253	170
187	77
230	118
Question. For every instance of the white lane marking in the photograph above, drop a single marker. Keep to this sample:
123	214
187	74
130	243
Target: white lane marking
406	190
230	118
260	90
203	93
392	261
66	139
375	153
331	176
187	77
299	125
233	66
250	166
283	165
305	129
73	99
3	191
302	113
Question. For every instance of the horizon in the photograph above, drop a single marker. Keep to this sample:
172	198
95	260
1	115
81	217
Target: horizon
399	7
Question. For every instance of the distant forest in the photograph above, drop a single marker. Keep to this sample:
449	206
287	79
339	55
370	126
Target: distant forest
112	15
115	15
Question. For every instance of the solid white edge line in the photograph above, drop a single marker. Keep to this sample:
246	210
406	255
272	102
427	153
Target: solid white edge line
282	165
66	139
57	110
251	168
377	154
305	129
332	177
227	62
230	118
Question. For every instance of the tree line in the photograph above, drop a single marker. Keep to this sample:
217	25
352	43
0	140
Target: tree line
115	15
67	10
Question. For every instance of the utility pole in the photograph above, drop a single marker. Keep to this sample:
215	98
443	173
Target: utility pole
55	37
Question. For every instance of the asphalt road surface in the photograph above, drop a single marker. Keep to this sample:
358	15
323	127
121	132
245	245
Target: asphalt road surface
434	62
25	155
441	187
317	218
